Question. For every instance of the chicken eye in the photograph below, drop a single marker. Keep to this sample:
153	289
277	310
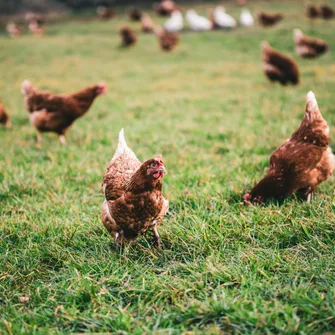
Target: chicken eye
154	164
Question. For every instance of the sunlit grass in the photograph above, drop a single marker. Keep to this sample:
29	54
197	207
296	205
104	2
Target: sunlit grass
212	114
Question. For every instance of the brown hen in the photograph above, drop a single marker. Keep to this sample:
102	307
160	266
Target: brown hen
4	117
268	20
327	12
14	30
303	162
308	47
133	195
50	112
167	40
147	24
128	36
135	14
312	12
279	67
105	13
165	7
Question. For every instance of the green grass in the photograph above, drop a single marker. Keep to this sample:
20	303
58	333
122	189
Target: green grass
209	110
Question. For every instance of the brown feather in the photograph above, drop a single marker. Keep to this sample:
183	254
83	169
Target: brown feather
165	8
312	12
4	117
133	192
128	36
55	113
268	20
302	162
135	14
327	12
309	47
279	67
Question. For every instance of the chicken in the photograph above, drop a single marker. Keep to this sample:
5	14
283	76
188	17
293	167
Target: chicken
147	24
105	13
327	12
13	30
37	27
133	195
268	20
128	36
135	14
4	117
221	19
308	47
197	22
174	23
303	162
312	12
279	67
167	40
50	112
165	7
246	19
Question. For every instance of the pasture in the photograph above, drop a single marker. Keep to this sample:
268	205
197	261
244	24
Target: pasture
208	109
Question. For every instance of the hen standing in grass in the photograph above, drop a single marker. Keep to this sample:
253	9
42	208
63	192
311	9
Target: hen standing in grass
312	12
308	47
50	112
13	30
303	162
268	20
327	12
167	40
278	66
147	23
105	13
4	118
128	36
135	14
165	7
133	195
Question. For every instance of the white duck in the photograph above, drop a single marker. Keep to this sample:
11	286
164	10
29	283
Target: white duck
197	22
222	19
174	23
246	19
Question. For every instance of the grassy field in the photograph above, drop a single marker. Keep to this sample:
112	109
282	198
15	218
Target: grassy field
209	110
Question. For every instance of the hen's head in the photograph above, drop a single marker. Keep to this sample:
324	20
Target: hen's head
249	199
148	176
154	168
101	88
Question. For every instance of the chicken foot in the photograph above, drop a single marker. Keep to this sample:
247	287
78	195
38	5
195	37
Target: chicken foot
39	140
158	241
62	139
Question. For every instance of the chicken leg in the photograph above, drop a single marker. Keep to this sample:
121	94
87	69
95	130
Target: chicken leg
62	139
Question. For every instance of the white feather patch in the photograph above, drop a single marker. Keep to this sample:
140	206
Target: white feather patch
123	148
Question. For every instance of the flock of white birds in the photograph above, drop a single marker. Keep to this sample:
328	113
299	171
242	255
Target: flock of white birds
197	22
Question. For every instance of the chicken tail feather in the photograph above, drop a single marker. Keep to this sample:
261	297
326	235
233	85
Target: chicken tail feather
298	35
312	109
26	87
122	147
